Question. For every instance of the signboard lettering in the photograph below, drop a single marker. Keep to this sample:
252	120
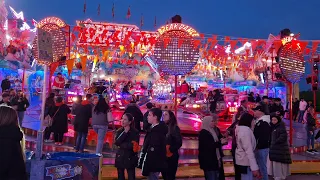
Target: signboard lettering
178	27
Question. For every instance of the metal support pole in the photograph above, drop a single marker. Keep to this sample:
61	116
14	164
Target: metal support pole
291	111
175	95
23	77
41	130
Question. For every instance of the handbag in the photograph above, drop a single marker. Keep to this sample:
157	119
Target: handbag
48	120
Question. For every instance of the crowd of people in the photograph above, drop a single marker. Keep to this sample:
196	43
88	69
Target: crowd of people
259	137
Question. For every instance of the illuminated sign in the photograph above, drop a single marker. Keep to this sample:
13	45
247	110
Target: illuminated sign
287	39
63	171
178	27
51	20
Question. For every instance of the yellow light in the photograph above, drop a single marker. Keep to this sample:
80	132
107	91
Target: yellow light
74	99
121	48
78	55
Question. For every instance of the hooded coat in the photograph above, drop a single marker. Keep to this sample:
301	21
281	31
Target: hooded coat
135	111
279	148
153	154
12	165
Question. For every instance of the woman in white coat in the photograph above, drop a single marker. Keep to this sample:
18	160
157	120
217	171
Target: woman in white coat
246	144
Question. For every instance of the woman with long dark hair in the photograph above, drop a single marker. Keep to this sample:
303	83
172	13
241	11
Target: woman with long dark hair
127	140
12	165
48	106
174	143
246	144
101	117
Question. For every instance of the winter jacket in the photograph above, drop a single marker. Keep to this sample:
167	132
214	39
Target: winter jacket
153	154
279	148
126	158
102	119
135	111
22	103
5	84
174	140
311	123
266	107
83	114
207	156
12	165
60	118
246	144
262	132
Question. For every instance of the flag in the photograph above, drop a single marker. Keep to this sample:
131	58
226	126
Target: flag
85	6
113	11
141	21
155	22
128	13
99	10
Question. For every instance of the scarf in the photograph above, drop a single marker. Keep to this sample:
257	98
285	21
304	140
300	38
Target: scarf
206	126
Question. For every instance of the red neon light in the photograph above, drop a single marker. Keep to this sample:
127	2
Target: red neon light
178	27
104	34
51	20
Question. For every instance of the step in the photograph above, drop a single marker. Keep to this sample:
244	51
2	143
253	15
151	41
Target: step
185	172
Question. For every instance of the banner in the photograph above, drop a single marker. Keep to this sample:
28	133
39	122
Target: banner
45	43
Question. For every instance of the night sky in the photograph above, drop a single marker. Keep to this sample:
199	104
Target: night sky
235	18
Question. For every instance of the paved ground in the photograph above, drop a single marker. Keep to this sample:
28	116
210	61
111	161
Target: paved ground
293	177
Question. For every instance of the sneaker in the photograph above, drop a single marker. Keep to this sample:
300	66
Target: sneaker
48	140
310	151
99	154
315	151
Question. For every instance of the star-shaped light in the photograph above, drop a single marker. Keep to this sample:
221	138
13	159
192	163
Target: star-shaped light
20	15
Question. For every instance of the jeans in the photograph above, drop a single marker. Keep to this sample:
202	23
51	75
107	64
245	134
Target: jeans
310	139
153	176
101	131
131	174
20	117
247	176
58	137
301	113
262	157
211	175
81	141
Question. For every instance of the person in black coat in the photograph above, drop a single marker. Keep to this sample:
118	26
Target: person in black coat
127	140
277	109
251	97
12	165
153	157
311	127
174	143
83	114
22	103
279	153
59	114
295	108
135	111
210	149
5	84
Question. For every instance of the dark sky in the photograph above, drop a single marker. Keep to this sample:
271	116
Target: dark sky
235	18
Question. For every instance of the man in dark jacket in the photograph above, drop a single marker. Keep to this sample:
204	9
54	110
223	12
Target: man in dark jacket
135	111
5	84
153	155
265	104
277	108
21	103
81	124
295	108
147	125
262	132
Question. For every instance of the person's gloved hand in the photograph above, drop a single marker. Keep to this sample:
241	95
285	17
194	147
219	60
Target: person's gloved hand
169	154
